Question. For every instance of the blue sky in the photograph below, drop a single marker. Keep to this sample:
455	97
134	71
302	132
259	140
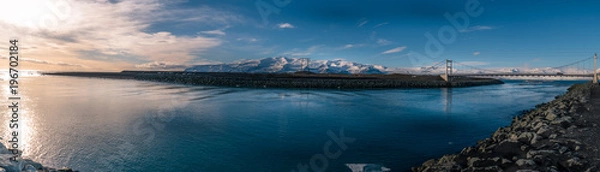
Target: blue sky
136	34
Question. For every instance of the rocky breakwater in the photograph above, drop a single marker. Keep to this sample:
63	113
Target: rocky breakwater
290	80
23	165
310	81
552	137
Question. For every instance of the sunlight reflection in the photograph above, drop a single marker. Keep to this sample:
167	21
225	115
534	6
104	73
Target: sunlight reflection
447	99
26	120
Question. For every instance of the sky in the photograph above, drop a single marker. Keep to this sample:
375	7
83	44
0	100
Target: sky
114	35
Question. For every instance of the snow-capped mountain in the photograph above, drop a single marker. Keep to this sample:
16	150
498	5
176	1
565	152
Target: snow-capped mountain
290	65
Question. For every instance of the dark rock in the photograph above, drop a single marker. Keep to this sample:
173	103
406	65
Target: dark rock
551	115
527	170
526	137
544	131
508	149
431	162
525	163
532	153
486	162
483	169
564	122
535	139
539	140
573	164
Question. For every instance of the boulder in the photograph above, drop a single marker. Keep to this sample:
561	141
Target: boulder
535	139
574	164
525	163
483	169
551	115
544	131
526	137
527	170
483	162
564	122
539	140
533	153
508	148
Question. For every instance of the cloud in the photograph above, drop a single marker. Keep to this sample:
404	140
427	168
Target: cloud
204	15
349	46
384	42
395	50
21	59
214	32
286	26
119	34
49	62
476	28
381	24
300	54
476	53
247	39
363	23
161	65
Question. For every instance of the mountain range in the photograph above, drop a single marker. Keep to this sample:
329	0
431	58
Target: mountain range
291	65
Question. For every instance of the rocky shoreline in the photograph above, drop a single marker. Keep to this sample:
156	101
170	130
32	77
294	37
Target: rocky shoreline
26	165
555	136
302	81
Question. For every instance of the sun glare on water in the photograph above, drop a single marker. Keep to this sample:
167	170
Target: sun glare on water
23	12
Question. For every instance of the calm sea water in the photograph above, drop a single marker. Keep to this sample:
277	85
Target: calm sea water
124	125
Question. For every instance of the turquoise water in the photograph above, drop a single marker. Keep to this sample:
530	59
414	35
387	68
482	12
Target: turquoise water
125	125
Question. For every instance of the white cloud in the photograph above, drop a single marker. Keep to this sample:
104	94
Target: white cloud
117	35
349	46
44	62
300	54
161	65
381	24
247	39
214	32
395	50
476	53
384	42
476	28
286	26
363	23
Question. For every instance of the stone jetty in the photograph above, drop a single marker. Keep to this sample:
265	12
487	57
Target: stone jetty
291	80
562	135
23	165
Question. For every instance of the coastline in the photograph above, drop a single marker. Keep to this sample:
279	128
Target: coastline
555	136
295	80
8	165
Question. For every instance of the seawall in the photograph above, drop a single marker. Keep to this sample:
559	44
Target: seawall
561	135
302	81
18	165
